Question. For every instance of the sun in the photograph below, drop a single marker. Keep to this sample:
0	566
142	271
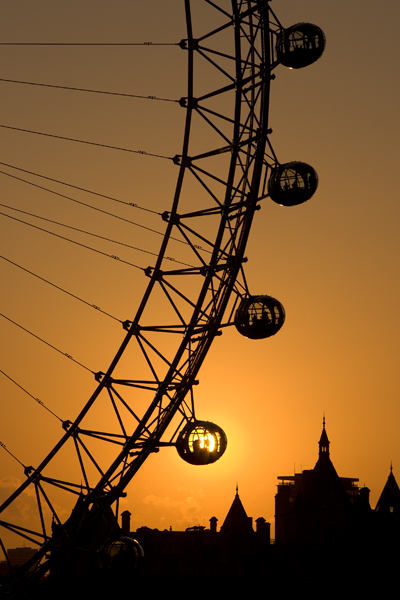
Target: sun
207	442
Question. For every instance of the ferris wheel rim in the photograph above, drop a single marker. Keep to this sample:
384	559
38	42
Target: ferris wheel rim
227	278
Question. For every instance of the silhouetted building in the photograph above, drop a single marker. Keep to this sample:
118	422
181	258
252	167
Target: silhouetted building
233	558
317	506
237	521
19	556
326	530
389	500
388	511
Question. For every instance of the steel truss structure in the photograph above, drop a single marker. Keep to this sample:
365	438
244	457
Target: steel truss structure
183	309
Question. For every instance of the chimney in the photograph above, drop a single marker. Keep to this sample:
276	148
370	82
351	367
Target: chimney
213	524
263	528
126	522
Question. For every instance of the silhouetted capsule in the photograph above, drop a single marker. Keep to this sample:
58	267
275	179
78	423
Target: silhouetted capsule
300	45
292	183
201	442
120	555
259	317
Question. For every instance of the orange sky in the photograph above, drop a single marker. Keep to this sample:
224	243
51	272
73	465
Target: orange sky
333	262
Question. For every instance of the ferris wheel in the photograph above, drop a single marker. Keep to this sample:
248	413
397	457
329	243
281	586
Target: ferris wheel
188	301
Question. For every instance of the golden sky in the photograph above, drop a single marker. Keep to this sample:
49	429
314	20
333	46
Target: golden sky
333	262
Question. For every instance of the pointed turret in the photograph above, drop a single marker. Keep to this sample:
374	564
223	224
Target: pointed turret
323	442
389	500
323	508
387	512
237	521
323	484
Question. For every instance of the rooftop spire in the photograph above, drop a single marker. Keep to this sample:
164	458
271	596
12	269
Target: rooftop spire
237	521
323	442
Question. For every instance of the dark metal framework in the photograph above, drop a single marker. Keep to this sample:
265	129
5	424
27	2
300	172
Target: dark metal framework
183	309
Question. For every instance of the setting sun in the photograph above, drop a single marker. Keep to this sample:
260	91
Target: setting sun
190	236
206	441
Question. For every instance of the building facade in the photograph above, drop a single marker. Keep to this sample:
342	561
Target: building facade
317	506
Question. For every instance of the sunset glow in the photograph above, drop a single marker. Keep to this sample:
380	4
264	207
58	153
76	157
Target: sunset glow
88	182
206	441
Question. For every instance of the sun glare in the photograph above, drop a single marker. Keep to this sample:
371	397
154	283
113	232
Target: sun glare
207	442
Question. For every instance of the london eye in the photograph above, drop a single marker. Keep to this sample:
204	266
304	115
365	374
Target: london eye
190	290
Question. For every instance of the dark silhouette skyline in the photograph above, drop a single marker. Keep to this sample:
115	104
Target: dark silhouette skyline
325	528
319	259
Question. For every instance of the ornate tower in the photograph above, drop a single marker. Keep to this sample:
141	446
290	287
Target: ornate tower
323	442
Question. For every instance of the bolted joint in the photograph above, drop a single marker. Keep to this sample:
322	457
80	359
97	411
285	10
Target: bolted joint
151	272
128	326
189	44
204	270
186	161
188	102
171	218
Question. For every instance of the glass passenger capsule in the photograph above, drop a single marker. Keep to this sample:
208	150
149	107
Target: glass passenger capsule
292	183
121	555
259	317
201	442
300	45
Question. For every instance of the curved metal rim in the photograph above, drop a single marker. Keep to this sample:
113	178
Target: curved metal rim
224	272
